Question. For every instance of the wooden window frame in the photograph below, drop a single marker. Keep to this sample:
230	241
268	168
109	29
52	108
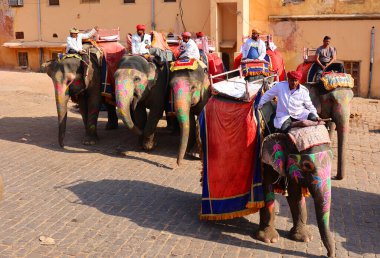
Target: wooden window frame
54	2
16	3
129	1
19	35
90	1
356	88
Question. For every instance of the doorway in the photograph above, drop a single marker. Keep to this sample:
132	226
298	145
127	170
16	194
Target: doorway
227	32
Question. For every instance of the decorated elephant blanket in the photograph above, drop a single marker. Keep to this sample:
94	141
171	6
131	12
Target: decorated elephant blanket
230	153
112	53
254	68
333	80
307	137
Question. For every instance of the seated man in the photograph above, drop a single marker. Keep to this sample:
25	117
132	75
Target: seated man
141	41
188	48
326	55
74	41
293	104
254	48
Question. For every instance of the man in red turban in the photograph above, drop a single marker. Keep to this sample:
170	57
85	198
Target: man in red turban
141	41
293	102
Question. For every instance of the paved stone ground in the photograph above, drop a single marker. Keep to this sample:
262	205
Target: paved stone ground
114	200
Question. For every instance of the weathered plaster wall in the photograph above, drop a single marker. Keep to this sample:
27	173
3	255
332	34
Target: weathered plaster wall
6	30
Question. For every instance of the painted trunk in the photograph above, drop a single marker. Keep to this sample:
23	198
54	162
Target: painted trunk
125	90
341	116
61	99
314	170
182	104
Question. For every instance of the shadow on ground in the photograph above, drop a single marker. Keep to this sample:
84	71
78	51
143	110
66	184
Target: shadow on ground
168	209
43	132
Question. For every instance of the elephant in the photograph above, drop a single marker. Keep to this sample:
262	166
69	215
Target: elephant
309	169
335	104
191	92
140	85
69	81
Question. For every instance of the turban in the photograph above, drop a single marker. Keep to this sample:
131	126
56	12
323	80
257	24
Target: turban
200	34
186	34
74	30
140	27
296	75
256	31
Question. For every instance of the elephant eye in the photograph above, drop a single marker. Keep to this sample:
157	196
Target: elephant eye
136	79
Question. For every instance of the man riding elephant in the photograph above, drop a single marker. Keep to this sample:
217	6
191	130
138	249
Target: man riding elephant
141	41
293	102
254	48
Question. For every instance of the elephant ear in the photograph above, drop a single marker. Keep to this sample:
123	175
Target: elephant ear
152	75
274	151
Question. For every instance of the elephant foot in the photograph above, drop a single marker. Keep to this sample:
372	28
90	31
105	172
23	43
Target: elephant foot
90	140
111	126
337	177
300	234
268	235
149	144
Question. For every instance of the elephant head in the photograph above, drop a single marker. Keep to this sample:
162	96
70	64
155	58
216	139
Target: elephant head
191	93
311	169
134	79
68	79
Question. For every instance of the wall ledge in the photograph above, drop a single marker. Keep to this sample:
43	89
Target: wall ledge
324	17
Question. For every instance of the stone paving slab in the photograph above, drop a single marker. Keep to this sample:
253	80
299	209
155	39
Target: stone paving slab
113	200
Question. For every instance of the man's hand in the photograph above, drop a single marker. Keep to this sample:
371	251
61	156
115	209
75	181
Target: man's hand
82	52
148	46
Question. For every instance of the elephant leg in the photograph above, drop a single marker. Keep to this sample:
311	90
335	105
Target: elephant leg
192	147
332	127
112	122
139	116
297	204
155	114
83	109
93	100
267	232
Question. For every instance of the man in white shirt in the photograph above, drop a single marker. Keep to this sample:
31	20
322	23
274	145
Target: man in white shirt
293	102
141	41
188	47
74	41
254	48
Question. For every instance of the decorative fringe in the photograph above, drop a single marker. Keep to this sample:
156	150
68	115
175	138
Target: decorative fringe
200	150
255	205
226	216
249	73
305	192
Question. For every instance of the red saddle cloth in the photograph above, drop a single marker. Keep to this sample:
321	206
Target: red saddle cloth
113	52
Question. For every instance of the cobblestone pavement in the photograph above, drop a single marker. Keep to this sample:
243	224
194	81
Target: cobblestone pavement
113	200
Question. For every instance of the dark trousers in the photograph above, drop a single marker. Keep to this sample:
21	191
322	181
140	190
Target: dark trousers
288	122
319	71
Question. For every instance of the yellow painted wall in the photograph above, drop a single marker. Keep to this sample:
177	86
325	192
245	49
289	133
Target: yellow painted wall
106	14
310	7
351	38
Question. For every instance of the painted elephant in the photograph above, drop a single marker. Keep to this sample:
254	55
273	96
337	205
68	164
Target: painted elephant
141	85
335	104
191	93
69	81
309	169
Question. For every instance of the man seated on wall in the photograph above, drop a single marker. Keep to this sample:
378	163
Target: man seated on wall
254	48
141	41
293	102
326	55
189	49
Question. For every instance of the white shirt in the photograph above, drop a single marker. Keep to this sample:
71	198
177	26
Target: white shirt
297	105
76	43
189	49
138	46
259	44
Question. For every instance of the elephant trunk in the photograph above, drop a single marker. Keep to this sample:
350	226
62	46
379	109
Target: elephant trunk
182	106
61	99
321	192
124	99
